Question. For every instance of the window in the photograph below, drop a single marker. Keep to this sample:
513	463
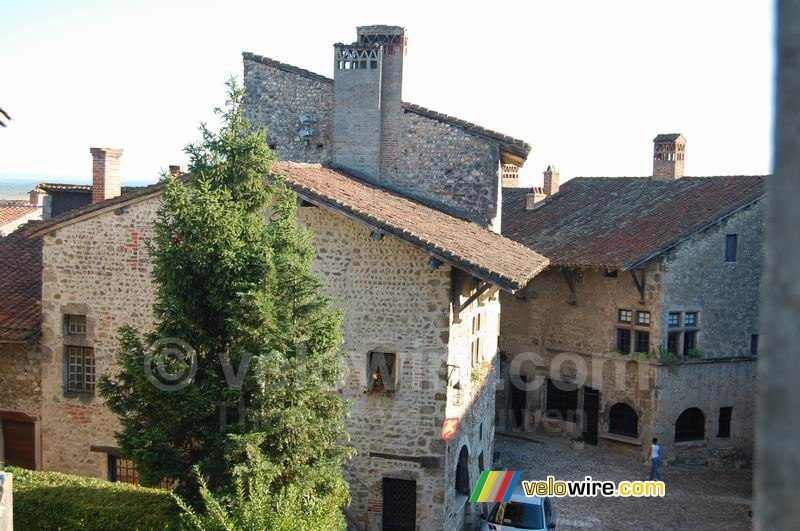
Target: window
682	332
462	472
80	369
517	515
724	422
475	347
122	470
731	242
611	273
690	426
623	420
633	336
673	342
561	403
689	342
399	504
754	345
381	371
623	340
75	325
642	342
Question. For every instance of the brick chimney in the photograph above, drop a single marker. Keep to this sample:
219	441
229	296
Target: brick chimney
106	181
551	178
175	170
535	196
669	151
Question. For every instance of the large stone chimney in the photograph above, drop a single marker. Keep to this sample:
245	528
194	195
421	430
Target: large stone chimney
668	156
106	182
551	180
367	100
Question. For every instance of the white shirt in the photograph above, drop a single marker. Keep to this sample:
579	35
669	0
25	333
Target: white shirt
656	451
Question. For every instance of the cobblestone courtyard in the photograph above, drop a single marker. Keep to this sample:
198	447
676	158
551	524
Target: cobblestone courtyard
697	498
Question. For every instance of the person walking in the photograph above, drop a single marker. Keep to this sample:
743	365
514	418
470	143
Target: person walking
655	459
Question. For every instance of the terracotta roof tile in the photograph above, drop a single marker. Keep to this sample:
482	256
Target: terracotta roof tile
617	222
461	243
20	286
13	209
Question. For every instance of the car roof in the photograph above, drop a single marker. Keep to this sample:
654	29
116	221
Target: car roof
519	496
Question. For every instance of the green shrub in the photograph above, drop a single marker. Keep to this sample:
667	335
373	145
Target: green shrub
52	501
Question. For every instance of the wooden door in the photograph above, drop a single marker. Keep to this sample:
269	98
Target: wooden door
19	443
591	409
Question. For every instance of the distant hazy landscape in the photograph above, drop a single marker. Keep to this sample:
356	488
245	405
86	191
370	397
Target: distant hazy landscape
17	185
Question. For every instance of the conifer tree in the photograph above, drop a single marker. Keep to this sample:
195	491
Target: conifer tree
241	317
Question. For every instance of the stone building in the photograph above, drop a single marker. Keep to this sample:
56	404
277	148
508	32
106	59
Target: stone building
646	320
20	354
405	208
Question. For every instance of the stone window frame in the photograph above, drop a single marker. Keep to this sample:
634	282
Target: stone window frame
476	339
374	366
680	335
636	325
82	384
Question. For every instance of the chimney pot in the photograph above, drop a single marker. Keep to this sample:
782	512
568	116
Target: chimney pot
106	182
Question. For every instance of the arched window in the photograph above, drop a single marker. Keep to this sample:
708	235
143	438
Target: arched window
462	472
623	420
690	426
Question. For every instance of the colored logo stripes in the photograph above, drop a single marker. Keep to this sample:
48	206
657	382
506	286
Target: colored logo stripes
495	487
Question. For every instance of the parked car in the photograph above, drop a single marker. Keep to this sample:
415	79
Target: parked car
521	512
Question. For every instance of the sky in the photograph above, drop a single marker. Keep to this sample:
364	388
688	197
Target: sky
587	83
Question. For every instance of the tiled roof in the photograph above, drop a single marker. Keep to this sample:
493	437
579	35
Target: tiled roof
13	209
667	137
620	222
80	188
512	145
461	243
131	194
20	286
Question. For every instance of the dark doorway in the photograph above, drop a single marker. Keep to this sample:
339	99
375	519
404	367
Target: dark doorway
19	443
399	505
591	413
518	401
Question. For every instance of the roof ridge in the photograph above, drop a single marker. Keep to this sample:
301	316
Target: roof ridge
285	66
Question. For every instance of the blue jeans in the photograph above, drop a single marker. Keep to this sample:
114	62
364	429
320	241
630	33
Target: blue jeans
655	473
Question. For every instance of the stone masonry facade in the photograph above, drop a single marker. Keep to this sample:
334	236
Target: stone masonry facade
577	345
392	304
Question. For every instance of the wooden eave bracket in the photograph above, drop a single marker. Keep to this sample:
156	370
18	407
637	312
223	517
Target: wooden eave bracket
640	283
569	276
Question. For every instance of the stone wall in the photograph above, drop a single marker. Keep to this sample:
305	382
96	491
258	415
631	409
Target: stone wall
473	404
708	385
432	160
281	100
445	165
392	303
726	295
21	378
543	336
98	268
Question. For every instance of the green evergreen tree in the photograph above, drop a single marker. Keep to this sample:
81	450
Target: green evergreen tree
258	405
